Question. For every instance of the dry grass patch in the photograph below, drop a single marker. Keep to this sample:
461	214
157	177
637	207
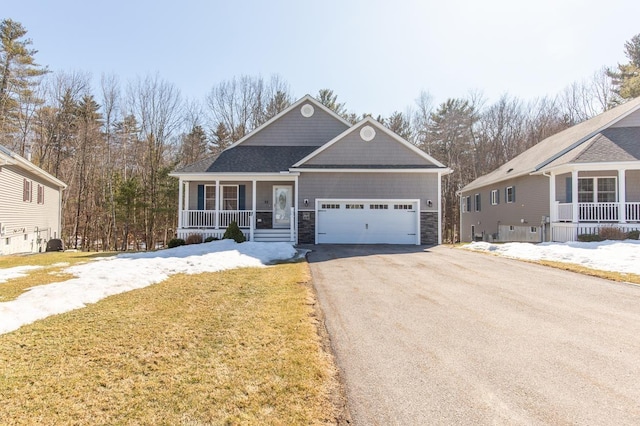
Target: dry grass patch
52	264
234	347
608	275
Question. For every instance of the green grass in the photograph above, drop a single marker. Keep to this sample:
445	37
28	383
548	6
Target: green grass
234	347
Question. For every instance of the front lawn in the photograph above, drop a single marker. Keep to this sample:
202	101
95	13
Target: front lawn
232	347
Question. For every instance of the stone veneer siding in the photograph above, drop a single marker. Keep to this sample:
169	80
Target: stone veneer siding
267	220
429	228
306	227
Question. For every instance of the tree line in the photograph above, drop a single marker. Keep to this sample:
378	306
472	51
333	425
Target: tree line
115	145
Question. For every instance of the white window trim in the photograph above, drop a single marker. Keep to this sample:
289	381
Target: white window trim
211	199
494	197
508	197
222	199
595	187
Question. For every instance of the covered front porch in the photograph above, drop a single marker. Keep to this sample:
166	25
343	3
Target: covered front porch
592	197
262	206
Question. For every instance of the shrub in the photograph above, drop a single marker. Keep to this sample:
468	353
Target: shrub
233	232
175	242
209	239
589	238
633	235
612	233
194	239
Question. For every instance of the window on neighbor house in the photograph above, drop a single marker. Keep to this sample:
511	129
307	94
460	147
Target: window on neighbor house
463	204
230	197
533	229
40	194
209	197
477	202
510	194
495	197
26	190
468	203
597	190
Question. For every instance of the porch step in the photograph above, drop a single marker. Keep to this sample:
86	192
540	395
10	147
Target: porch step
272	235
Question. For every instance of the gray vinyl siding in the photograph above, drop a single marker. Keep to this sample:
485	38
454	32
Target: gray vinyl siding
193	192
633	120
264	193
633	186
531	205
422	186
353	150
21	218
295	129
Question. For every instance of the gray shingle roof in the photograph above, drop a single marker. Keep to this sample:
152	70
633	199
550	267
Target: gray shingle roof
251	159
615	144
557	149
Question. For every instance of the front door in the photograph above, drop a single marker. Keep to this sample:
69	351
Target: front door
282	206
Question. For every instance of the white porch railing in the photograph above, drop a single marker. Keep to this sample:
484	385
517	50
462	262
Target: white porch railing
598	212
207	218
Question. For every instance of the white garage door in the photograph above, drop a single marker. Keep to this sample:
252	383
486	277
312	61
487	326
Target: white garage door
367	222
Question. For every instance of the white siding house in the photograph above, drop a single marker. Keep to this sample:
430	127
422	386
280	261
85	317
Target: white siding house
30	205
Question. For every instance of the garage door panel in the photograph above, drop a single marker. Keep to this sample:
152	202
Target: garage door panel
367	222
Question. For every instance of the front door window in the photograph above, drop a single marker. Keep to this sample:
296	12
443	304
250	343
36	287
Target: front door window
282	204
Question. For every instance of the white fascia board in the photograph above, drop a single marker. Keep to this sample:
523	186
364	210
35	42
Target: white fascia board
234	176
369	120
438	171
569	167
16	160
306	98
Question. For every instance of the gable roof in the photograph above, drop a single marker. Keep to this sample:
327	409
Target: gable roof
433	163
9	157
306	98
561	148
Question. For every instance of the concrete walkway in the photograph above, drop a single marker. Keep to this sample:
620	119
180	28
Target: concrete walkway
444	336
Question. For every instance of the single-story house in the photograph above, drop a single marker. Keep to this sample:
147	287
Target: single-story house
30	206
572	183
309	176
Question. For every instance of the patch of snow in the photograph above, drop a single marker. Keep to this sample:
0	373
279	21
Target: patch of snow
615	256
15	272
104	277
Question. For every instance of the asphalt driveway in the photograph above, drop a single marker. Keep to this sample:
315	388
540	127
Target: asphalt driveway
445	336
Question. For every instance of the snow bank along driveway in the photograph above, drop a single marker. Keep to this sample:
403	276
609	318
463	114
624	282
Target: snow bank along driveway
104	277
616	256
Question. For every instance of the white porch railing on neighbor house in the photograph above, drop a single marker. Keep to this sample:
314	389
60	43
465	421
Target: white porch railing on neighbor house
598	212
207	218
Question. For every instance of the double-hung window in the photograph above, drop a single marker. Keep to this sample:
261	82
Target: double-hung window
230	197
477	202
209	197
495	197
510	194
597	190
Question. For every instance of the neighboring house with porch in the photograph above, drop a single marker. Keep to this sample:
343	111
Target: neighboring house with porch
572	183
30	205
308	176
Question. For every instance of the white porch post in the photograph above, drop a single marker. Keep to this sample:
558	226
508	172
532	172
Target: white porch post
574	196
295	210
217	215
622	198
187	201
553	205
180	203
254	196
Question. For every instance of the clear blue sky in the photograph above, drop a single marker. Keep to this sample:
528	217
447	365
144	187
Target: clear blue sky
376	55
